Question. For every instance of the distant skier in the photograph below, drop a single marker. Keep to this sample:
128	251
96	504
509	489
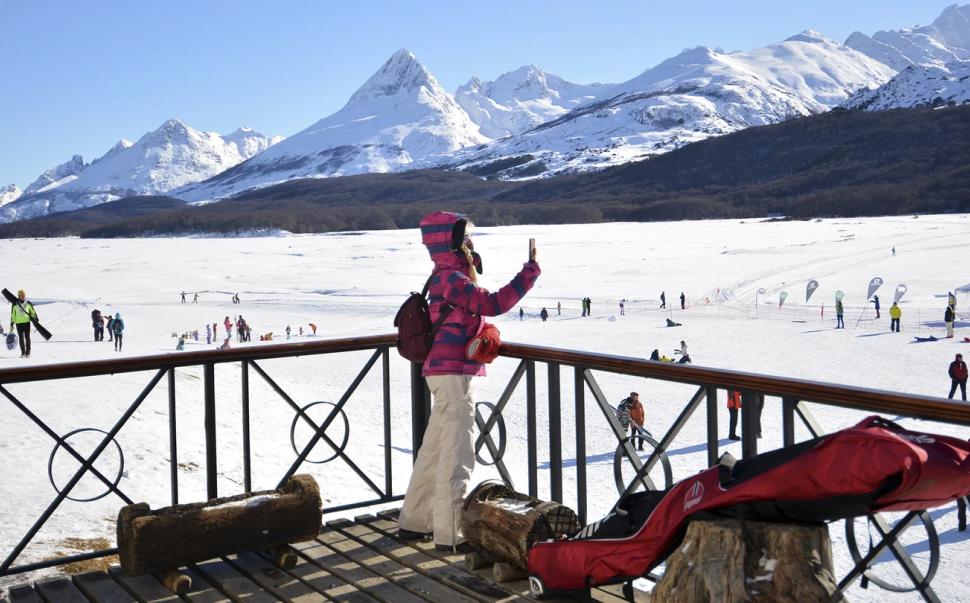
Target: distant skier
875	300
20	319
895	313
948	318
839	311
118	327
894	250
958	377
183	297
663	300
287	331
683	301
733	404
589	307
208	334
684	356
97	321
622	302
558	308
544	314
521	313
195	298
235	298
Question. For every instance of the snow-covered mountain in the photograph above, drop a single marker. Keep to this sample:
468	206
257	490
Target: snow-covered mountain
919	85
169	157
694	95
947	39
521	100
9	194
399	116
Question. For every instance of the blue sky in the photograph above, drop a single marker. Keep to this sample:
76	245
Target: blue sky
78	76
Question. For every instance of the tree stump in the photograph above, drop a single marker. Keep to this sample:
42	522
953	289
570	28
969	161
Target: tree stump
764	563
505	523
171	537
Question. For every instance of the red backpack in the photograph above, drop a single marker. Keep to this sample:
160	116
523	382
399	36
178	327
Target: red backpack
415	332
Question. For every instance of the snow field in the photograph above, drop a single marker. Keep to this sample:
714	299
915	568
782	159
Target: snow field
352	283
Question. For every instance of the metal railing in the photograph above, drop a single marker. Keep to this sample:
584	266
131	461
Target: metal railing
492	439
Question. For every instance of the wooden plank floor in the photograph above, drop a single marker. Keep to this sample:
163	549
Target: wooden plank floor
359	561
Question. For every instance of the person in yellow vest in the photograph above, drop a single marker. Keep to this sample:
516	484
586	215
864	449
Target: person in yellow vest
895	312
20	318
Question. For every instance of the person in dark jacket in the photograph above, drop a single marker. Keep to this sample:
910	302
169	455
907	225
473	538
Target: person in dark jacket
521	313
958	377
111	324
544	314
948	318
118	327
839	312
875	300
97	321
631	416
683	301
663	300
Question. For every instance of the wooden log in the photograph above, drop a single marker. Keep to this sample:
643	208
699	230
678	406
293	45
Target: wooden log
156	541
505	523
176	581
284	557
506	572
761	563
477	560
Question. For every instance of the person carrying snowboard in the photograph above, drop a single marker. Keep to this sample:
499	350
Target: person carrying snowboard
630	415
435	493
895	313
118	327
20	319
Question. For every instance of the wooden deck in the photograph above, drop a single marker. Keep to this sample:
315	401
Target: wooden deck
353	561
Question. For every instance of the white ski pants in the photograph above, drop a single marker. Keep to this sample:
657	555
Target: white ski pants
440	477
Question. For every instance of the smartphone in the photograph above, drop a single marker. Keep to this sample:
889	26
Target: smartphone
532	248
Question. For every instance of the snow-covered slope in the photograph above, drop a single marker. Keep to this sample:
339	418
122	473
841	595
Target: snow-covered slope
947	39
9	194
400	115
169	157
919	85
57	175
521	100
694	95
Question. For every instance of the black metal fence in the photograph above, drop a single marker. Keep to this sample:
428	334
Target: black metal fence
653	471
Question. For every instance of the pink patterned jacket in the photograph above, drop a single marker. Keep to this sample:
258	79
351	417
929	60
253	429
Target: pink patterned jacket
450	284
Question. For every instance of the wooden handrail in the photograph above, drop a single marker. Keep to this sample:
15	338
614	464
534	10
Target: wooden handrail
89	368
869	400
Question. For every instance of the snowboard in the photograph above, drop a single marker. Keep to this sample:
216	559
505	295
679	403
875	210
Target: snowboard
11	341
40	328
